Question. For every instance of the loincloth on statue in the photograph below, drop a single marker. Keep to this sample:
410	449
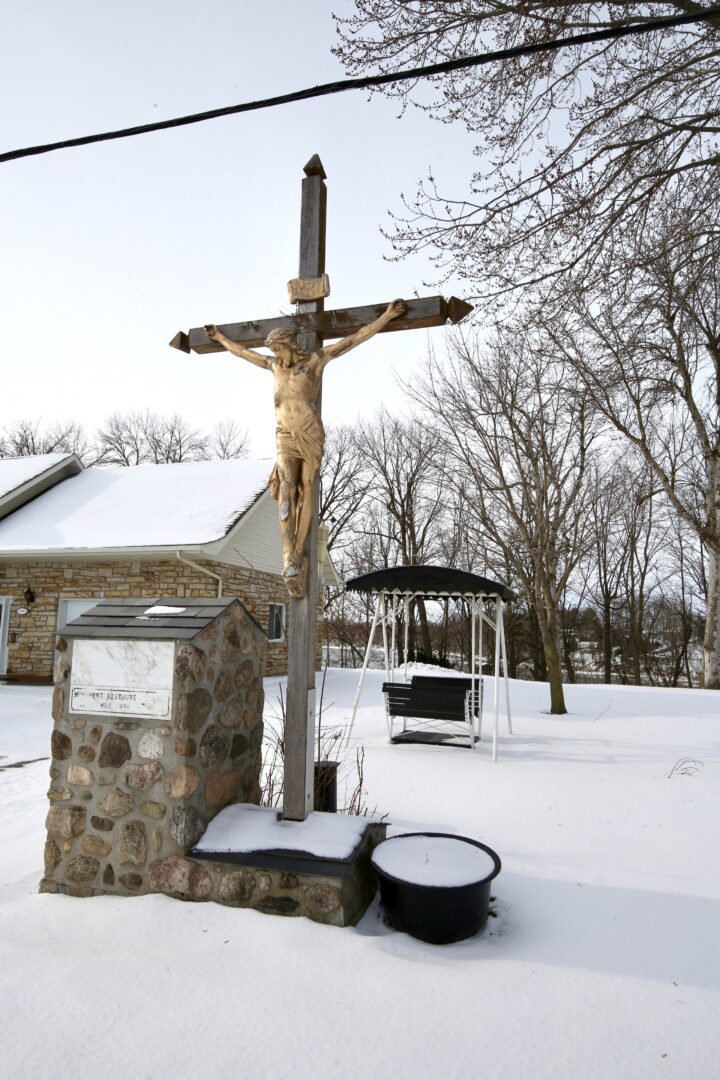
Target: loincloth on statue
304	443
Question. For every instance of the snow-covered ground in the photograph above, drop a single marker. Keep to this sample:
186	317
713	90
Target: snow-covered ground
603	961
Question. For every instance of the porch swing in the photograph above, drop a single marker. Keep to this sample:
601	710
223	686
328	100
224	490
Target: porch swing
436	709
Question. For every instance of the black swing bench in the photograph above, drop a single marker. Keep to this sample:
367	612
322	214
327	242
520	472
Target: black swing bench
431	706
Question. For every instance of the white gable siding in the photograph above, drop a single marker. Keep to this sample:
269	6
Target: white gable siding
255	542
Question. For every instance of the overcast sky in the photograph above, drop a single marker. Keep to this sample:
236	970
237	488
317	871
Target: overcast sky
108	250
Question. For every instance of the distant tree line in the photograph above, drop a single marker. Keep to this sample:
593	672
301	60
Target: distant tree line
496	466
507	477
131	438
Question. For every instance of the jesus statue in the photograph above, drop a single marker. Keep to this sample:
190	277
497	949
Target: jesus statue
300	434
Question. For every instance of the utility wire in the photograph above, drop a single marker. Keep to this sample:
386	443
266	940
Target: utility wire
340	87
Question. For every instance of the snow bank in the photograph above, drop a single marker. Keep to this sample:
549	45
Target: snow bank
603	962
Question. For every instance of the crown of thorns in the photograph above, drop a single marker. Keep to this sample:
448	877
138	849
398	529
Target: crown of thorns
281	335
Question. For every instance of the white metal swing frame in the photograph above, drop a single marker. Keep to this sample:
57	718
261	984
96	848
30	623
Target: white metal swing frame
386	611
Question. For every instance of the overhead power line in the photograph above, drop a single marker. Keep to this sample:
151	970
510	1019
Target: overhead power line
325	89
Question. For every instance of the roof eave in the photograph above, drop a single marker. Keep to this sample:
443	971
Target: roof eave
148	551
37	485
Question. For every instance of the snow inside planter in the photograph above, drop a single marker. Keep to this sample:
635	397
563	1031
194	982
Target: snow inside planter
435	886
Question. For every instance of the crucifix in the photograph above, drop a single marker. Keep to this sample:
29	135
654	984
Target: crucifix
298	359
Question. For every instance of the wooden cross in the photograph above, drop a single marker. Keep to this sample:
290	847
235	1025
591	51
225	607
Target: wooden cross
313	325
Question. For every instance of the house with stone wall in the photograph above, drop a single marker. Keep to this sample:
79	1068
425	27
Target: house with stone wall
70	536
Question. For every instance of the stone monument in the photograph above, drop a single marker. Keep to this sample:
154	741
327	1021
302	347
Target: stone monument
156	759
158	725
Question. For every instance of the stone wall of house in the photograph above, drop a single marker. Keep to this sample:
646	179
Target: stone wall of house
127	796
31	637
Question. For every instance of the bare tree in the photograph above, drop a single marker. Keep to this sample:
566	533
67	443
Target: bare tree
519	456
677	621
172	439
136	437
344	483
642	580
227	441
647	348
25	438
644	531
628	563
406	501
122	439
576	145
405	458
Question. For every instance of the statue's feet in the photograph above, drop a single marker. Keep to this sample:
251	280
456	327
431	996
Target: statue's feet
296	579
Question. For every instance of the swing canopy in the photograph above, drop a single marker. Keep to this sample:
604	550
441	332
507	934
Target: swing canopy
429	581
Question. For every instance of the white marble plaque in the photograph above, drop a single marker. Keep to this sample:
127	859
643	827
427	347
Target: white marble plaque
122	678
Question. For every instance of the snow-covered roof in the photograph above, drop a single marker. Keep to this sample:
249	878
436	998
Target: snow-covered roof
143	506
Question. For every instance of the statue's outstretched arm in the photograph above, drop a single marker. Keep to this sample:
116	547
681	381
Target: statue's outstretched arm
235	347
393	311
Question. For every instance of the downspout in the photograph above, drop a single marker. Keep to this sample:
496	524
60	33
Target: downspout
203	570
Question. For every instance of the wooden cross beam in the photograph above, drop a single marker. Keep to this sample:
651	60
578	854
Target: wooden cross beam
428	311
313	327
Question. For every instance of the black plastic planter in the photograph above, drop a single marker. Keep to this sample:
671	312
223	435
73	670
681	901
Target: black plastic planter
439	914
325	793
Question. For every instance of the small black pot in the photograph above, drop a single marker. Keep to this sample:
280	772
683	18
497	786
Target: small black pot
325	792
439	914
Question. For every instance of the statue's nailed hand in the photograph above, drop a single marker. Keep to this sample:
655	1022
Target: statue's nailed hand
211	331
397	308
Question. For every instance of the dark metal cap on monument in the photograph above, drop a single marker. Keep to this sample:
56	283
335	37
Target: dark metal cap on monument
161	619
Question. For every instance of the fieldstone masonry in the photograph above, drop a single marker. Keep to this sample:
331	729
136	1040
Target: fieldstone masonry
32	636
339	899
129	797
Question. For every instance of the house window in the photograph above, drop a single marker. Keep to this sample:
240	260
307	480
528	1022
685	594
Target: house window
71	609
276	622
